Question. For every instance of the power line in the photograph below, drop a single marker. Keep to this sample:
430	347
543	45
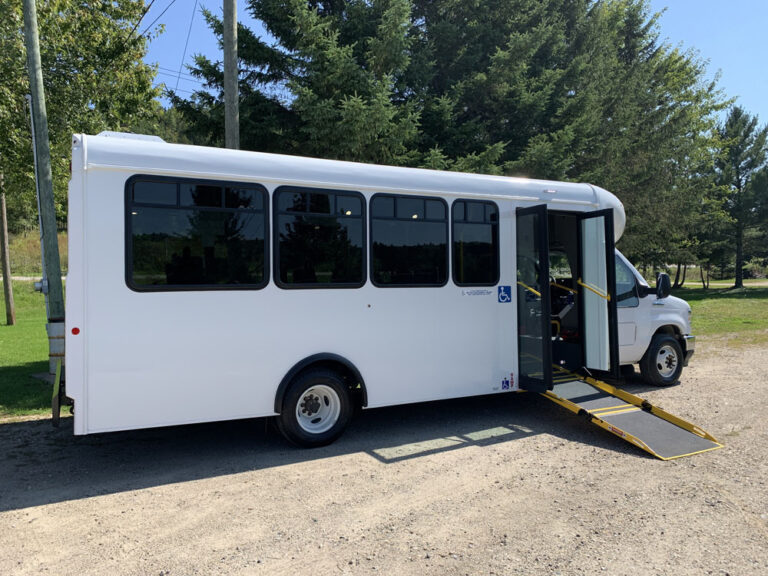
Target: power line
163	86
146	10
158	18
174	72
184	55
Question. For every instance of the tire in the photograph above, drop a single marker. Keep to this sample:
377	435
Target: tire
663	361
316	409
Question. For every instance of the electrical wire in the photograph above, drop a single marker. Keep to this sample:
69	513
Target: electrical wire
184	55
158	18
172	72
146	10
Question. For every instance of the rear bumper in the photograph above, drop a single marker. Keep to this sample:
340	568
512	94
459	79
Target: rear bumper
690	347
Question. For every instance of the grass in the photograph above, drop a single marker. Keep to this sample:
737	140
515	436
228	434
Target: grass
723	311
23	352
25	253
739	316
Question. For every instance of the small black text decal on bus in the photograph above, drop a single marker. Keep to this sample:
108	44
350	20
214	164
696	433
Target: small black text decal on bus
184	234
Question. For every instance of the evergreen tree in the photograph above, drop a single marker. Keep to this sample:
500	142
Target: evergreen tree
559	89
743	156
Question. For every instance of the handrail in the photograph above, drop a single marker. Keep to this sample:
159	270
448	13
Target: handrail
529	288
597	291
571	290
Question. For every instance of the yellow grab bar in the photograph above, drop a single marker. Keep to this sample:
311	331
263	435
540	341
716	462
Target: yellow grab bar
595	290
529	289
556	285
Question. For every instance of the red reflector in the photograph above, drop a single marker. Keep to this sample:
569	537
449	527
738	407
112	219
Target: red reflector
75	331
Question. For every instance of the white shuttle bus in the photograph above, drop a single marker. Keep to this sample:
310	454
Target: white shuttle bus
209	284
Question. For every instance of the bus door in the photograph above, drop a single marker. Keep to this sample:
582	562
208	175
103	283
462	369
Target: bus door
533	306
597	290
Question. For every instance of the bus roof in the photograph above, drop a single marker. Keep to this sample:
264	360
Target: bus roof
138	154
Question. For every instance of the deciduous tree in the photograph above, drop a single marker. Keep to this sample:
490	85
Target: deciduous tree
94	80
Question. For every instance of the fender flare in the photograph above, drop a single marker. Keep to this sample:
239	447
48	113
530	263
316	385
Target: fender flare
324	359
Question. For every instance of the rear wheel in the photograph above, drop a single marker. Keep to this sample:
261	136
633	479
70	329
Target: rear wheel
316	408
663	361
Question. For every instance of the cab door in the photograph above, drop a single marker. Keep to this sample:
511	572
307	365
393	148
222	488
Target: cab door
534	340
597	290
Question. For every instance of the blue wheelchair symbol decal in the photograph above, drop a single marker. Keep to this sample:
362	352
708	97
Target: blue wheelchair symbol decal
505	294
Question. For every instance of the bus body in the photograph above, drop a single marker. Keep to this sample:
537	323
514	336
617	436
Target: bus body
209	284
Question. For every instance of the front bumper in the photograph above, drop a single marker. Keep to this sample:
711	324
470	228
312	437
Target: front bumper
690	345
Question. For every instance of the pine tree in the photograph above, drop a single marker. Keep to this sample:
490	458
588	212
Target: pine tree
743	155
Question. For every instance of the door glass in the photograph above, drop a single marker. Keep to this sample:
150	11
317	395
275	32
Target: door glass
626	286
595	292
534	344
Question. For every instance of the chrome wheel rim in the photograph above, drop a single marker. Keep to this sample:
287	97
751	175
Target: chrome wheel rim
318	409
666	361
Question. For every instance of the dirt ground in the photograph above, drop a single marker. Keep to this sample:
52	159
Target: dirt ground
494	485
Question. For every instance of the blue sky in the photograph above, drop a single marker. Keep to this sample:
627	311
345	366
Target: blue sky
729	34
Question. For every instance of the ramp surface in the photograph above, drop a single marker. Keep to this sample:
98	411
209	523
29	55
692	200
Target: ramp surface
630	417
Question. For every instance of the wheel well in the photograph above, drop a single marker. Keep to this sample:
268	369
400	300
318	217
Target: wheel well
672	331
343	367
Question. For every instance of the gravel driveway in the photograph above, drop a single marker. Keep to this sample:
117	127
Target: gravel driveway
494	485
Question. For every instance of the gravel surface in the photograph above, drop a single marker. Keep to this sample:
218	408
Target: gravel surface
496	485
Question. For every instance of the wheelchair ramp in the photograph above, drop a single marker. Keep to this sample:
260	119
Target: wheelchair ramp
630	417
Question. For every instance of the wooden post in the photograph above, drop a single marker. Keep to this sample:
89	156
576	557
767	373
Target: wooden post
231	87
5	258
53	288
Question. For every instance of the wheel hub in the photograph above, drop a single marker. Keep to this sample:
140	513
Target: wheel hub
667	361
310	405
318	409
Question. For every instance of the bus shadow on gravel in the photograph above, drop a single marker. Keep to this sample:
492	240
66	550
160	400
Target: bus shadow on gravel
42	465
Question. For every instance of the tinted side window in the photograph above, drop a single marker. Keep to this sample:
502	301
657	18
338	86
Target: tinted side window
475	243
319	238
182	236
409	241
626	286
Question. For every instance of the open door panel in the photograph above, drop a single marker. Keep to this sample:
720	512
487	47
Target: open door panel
597	290
533	306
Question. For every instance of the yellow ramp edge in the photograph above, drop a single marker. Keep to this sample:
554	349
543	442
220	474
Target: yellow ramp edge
635	412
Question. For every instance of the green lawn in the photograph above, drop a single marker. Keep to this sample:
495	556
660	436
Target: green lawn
23	352
723	311
24	347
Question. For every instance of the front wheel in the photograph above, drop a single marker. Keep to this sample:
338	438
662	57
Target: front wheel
316	409
663	361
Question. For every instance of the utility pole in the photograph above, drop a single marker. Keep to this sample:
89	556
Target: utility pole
5	257
231	107
52	289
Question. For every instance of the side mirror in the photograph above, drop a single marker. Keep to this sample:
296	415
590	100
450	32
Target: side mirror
663	286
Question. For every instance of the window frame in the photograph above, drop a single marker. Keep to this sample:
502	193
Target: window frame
497	247
634	298
276	213
128	204
395	218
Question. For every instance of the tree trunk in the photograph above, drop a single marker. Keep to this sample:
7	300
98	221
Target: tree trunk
5	260
676	284
739	283
685	271
703	282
